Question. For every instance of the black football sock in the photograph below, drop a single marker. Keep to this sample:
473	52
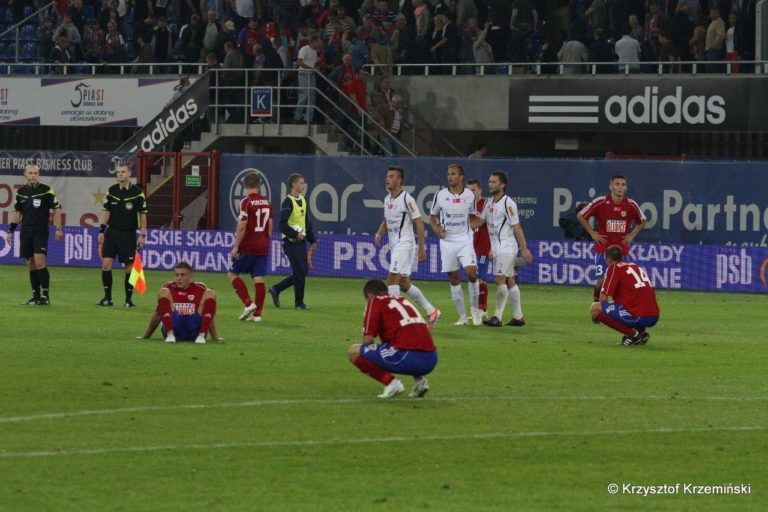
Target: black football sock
45	279
106	280
35	282
128	288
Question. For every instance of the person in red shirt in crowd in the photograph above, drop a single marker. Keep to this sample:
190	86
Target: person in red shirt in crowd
250	252
250	36
614	215
406	345
482	244
185	308
627	300
356	90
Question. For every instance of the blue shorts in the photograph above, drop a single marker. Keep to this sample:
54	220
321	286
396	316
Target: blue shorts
482	266
617	312
186	327
601	266
405	362
254	265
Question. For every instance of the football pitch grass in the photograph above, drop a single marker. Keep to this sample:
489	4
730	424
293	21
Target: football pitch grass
542	417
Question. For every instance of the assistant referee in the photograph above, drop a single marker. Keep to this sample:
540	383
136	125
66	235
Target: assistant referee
296	230
125	211
34	202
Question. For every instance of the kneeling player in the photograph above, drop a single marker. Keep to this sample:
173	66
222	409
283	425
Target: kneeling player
627	300
406	345
185	308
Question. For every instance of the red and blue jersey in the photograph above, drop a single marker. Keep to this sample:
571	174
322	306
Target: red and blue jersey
186	301
257	211
395	321
614	221
629	286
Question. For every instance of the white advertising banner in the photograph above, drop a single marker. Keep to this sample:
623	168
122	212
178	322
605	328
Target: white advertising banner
83	101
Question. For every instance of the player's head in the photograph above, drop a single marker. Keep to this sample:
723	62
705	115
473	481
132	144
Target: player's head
373	288
296	183
455	175
31	173
395	176
476	187
123	173
252	181
497	182
613	254
618	186
183	271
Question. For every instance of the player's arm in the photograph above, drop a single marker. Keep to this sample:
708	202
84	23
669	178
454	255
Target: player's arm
526	254
214	332
436	226
239	234
632	234
154	321
270	226
57	223
476	221
368	339
380	233
15	219
421	233
142	229
596	236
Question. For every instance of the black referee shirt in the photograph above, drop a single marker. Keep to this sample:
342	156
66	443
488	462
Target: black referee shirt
124	206
35	203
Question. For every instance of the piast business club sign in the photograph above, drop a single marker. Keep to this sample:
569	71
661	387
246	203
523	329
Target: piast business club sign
638	103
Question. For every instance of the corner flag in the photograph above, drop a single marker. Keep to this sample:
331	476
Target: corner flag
136	279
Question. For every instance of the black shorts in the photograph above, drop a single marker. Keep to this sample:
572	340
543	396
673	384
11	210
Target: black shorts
34	240
121	244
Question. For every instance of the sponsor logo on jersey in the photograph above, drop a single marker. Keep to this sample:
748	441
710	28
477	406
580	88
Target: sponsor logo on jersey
37	202
616	226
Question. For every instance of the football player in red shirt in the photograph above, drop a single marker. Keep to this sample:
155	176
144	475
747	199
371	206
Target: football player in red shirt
482	245
614	215
627	300
406	345
185	308
250	252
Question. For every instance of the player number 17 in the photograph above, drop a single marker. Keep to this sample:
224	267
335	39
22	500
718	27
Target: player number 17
262	218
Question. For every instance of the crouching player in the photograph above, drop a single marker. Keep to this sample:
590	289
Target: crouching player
185	308
406	345
627	300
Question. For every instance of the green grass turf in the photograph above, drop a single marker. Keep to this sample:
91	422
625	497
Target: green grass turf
542	417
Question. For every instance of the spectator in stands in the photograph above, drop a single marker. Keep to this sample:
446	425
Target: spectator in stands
68	30
219	8
45	42
163	41
382	95
367	7
715	42
368	29
573	50
446	46
212	29
628	50
698	42
109	13
159	8
465	11
60	55
245	12
424	25
145	54
597	14
356	90
656	18
94	41
75	13
618	12
482	50
638	31
391	117
357	49
402	42
733	42
524	15
481	150
667	54
185	9
233	60
227	35
383	13
601	51
379	55
249	36
307	63
114	51
681	32
691	7
343	71
345	20
143	28
191	40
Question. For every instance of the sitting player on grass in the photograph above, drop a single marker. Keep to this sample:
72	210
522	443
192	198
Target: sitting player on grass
627	300
185	308
406	345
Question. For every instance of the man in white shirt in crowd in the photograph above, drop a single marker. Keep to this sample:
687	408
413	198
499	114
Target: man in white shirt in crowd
307	62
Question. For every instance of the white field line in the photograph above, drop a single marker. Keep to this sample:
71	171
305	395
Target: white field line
341	401
369	440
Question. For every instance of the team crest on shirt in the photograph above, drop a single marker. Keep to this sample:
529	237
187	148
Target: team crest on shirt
624	214
191	297
129	206
37	202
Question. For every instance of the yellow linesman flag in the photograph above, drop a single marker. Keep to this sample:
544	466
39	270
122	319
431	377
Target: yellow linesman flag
136	278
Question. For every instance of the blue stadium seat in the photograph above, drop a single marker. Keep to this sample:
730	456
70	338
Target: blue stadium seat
28	10
89	12
28	33
28	52
8	17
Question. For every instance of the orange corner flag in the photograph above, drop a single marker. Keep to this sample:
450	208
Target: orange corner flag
136	278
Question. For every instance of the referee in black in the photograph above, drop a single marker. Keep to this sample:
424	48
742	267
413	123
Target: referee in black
34	202
296	230
125	211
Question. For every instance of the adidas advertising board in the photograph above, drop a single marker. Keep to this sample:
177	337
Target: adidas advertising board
172	120
637	103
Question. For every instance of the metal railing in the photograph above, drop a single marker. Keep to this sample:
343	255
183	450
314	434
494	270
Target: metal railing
692	67
101	69
231	104
18	26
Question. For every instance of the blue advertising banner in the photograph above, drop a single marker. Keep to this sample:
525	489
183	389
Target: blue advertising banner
669	266
720	203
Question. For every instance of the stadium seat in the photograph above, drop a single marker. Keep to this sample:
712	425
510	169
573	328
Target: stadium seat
89	12
28	10
8	17
28	52
28	33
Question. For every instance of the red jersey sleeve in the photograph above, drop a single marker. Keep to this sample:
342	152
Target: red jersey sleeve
372	319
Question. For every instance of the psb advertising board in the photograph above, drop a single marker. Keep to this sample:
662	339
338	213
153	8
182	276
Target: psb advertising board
638	103
83	101
669	266
685	202
80	180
